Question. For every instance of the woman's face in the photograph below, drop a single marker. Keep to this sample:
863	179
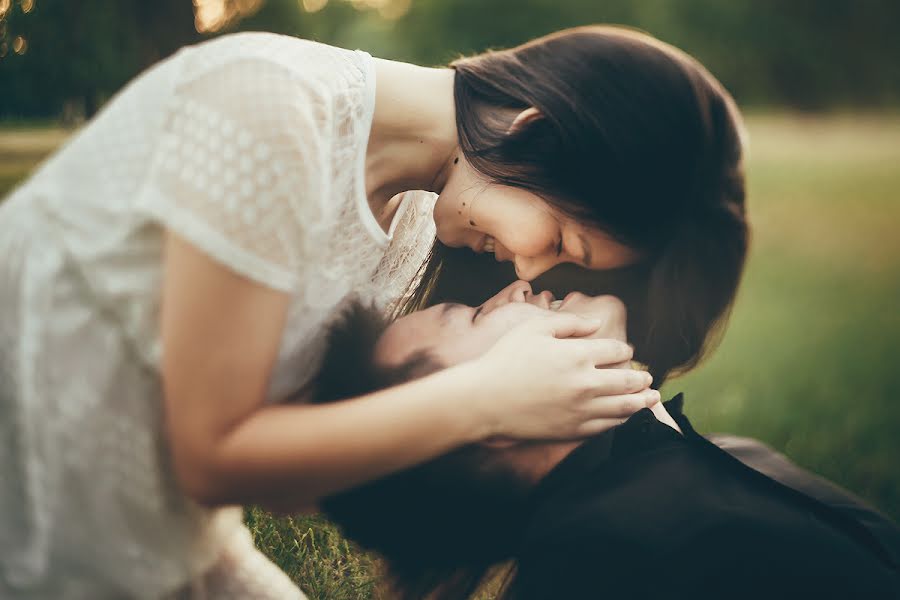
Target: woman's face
518	226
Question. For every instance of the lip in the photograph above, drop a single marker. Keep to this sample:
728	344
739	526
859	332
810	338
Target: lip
568	297
548	295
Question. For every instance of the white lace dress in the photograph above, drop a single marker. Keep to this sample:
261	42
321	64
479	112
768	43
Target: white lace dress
252	147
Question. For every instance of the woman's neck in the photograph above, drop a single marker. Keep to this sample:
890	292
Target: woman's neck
413	137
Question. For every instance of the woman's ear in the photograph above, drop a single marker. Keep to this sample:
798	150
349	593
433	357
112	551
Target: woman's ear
525	117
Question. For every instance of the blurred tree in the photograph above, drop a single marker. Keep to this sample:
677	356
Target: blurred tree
161	27
803	53
79	53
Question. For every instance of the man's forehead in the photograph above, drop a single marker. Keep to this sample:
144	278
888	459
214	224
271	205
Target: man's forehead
411	333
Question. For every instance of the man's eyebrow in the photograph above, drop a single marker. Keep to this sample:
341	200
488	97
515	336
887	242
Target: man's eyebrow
476	312
587	258
450	306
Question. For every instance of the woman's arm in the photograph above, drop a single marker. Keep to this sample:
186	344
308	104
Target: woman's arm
304	452
221	334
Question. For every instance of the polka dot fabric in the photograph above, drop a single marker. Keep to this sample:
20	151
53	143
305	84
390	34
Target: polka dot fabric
252	147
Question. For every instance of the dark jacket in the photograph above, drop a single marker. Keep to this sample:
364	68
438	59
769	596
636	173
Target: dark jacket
643	512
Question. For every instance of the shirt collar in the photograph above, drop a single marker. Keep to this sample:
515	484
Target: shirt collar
642	432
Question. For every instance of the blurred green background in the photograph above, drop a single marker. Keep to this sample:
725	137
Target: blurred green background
810	356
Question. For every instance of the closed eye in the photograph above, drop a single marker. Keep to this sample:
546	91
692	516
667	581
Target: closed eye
587	254
476	312
559	246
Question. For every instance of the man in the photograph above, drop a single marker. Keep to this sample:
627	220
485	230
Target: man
648	509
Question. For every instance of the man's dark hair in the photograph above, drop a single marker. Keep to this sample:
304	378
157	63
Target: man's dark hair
440	526
348	367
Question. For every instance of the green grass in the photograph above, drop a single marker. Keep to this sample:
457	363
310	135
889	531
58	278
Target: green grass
313	553
810	358
21	148
811	353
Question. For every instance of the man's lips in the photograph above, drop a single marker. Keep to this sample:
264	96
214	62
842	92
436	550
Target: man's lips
565	301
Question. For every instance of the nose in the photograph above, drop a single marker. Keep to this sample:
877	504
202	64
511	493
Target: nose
572	298
519	291
530	268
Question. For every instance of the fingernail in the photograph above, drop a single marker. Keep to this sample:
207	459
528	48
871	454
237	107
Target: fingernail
648	378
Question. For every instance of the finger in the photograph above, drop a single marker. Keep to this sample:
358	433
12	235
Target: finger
566	325
602	352
615	382
623	405
608	351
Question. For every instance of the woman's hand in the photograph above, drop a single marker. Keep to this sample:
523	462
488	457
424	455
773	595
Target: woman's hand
544	381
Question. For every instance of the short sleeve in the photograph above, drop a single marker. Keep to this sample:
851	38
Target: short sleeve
241	167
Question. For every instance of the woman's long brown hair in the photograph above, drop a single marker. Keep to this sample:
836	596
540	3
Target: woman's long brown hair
637	139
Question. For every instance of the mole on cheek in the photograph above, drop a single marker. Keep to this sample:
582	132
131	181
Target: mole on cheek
472	223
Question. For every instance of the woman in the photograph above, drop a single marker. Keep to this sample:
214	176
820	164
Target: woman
169	275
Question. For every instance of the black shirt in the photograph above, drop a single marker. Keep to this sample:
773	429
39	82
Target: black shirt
643	512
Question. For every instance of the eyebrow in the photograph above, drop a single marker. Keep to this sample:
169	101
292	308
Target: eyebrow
587	258
450	307
477	312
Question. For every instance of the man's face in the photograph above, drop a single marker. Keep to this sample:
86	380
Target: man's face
454	333
477	494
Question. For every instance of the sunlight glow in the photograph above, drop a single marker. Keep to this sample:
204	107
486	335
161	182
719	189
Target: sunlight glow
209	15
213	15
395	9
313	5
389	9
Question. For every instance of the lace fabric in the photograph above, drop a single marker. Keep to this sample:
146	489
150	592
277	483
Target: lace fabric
251	147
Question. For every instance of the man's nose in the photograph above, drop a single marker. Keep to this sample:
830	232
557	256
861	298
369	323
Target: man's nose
522	291
519	291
